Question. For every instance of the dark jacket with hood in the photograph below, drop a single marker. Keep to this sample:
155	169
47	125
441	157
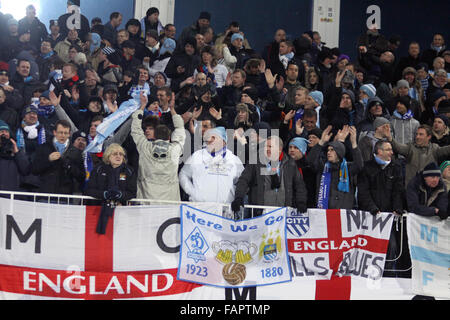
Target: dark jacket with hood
189	62
366	125
423	200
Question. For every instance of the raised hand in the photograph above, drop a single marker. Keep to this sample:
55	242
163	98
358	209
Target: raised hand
54	99
270	78
326	136
342	134
215	114
352	130
299	128
290	115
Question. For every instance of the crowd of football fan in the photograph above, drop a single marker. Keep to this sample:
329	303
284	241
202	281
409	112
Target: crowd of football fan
298	124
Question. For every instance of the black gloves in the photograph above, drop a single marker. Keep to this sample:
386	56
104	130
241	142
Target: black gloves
442	214
112	195
236	204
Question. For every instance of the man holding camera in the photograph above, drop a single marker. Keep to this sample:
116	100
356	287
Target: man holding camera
13	162
58	163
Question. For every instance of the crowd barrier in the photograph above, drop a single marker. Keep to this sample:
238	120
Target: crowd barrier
398	265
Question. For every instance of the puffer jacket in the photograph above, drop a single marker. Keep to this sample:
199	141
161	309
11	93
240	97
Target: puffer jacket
404	130
158	161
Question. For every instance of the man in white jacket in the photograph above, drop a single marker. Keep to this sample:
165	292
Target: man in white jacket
158	159
210	174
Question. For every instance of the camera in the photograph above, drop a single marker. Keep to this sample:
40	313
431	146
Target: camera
6	146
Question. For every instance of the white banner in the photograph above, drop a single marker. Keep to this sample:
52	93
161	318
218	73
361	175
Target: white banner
429	245
326	243
50	251
227	253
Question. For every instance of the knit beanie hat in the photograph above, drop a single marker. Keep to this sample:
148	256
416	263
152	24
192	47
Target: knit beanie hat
339	148
220	132
300	143
317	96
78	134
431	170
29	109
402	84
169	45
369	89
444	165
443	117
4	126
237	36
380	121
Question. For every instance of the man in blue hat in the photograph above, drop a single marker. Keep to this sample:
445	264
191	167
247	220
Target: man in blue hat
297	151
210	174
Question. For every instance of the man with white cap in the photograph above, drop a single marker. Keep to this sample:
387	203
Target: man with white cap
210	174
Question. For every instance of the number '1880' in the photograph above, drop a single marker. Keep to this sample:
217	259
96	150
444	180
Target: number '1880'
271	272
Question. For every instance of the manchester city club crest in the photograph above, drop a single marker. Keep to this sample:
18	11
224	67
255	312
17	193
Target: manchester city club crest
270	247
197	245
297	224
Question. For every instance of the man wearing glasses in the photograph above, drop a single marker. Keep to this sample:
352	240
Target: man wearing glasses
58	163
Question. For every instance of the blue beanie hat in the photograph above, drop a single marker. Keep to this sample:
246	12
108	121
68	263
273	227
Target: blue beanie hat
317	96
221	132
369	89
4	126
300	143
237	36
168	46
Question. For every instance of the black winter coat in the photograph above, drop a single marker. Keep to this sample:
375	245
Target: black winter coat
380	189
337	199
422	201
61	176
104	177
11	170
252	181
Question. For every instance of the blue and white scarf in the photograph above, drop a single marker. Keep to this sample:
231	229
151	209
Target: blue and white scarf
284	59
408	115
46	111
325	183
21	138
114	120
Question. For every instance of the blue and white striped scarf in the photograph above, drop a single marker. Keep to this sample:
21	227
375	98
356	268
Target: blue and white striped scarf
21	138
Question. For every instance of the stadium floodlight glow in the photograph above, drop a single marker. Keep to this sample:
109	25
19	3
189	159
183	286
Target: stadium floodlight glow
17	8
